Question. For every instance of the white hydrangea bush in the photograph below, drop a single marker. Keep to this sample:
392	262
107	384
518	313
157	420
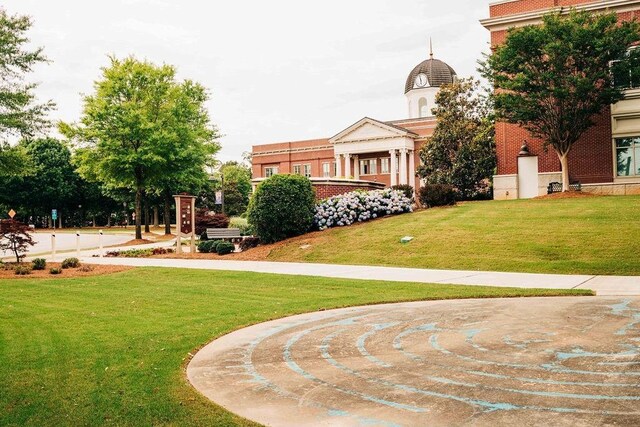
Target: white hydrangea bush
360	206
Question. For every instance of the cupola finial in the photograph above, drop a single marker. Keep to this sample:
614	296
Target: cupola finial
430	48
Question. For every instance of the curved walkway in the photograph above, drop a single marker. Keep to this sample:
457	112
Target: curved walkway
534	361
602	285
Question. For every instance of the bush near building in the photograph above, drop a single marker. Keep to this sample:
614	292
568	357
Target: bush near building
281	207
359	206
432	195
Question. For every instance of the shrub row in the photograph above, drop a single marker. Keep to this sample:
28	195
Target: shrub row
220	247
41	264
359	206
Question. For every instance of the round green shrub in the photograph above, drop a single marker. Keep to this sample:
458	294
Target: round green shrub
71	263
55	270
203	246
432	195
39	264
23	270
281	207
224	248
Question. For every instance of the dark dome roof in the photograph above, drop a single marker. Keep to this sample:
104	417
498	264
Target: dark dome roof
438	73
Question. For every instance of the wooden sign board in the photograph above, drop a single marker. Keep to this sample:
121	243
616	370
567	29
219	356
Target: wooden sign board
186	226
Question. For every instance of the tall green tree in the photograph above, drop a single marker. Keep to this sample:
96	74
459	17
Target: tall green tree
552	79
461	151
234	179
20	114
140	127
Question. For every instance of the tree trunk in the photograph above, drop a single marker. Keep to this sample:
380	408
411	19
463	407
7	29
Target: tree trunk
60	220
139	213
167	213
156	217
146	216
565	171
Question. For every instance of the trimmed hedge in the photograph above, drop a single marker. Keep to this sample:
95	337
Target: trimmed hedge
224	248
432	195
281	207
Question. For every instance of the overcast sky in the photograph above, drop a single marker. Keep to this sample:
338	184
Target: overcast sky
277	70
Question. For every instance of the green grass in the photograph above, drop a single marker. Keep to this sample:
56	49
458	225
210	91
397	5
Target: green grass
112	349
598	235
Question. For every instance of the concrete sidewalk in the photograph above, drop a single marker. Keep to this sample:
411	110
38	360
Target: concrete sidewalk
602	285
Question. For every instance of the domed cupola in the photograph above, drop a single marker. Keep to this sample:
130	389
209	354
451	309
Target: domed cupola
430	73
423	83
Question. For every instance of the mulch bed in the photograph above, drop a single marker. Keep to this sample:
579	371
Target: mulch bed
96	270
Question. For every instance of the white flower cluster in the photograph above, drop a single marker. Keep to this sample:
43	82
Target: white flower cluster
359	206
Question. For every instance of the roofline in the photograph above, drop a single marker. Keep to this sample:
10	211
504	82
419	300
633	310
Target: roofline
407	131
504	22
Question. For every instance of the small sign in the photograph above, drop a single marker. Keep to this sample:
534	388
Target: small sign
406	239
185	213
218	197
12	213
54	214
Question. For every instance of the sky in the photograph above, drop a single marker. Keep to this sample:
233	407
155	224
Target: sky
278	70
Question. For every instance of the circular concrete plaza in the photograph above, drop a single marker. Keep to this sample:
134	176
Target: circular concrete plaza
552	361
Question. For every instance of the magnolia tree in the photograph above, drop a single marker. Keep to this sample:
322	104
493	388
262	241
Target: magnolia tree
553	79
15	237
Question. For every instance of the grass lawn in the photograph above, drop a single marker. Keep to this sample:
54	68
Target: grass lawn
112	349
595	235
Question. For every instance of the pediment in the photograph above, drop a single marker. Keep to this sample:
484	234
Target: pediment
369	129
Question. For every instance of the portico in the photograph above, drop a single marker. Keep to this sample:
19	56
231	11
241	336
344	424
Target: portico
381	148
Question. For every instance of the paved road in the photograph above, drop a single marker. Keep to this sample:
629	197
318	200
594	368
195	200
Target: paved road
603	285
553	361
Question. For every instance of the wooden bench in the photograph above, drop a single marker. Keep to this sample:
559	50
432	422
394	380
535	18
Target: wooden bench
556	187
223	234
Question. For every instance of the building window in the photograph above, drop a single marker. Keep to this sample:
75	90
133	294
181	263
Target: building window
626	72
628	156
384	165
297	170
422	106
270	171
326	170
307	171
368	167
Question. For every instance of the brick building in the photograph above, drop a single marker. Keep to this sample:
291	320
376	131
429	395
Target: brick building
368	154
607	158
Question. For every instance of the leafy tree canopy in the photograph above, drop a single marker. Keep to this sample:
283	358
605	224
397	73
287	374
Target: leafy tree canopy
461	151
554	78
142	128
20	115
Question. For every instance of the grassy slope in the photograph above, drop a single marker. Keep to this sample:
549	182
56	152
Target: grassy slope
599	235
111	349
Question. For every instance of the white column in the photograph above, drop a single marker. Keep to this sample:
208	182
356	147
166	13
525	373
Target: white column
394	169
347	166
338	165
356	166
412	169
403	166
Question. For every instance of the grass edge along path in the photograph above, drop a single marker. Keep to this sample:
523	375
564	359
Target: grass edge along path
112	350
591	236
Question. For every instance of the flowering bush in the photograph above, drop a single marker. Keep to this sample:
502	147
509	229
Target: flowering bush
360	206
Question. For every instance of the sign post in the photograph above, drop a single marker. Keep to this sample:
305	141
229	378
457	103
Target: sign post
185	220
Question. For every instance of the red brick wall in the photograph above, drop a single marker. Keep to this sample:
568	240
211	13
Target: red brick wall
591	158
324	191
522	6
